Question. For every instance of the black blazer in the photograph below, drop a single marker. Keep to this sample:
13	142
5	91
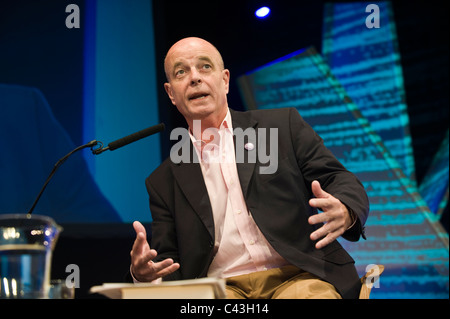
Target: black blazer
183	226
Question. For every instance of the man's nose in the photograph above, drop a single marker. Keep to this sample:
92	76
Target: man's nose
195	77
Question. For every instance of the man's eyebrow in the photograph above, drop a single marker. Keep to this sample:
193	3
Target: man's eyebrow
201	58
178	64
206	58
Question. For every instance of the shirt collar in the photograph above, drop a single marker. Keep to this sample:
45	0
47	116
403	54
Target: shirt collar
226	125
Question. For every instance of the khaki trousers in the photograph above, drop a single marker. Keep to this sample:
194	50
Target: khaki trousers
287	282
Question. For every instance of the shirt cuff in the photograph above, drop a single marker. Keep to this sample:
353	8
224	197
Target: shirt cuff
354	218
156	281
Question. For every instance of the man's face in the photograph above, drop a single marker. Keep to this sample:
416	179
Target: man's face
198	83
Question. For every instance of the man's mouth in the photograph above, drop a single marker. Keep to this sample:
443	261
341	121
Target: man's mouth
197	96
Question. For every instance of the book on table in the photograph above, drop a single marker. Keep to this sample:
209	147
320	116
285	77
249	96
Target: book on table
202	288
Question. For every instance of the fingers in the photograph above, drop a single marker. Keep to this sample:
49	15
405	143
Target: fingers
332	217
139	228
164	268
333	227
328	232
328	239
141	254
142	266
330	205
141	259
317	190
140	245
322	200
151	271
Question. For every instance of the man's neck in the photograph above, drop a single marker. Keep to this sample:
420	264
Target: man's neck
207	123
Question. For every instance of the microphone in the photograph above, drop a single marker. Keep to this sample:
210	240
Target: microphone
129	139
111	146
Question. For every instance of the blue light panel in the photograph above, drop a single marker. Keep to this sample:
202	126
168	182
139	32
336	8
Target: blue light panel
435	186
400	233
366	61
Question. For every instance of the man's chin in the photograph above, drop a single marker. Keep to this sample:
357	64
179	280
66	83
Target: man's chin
200	111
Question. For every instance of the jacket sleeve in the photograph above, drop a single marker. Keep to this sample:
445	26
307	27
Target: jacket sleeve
318	163
163	233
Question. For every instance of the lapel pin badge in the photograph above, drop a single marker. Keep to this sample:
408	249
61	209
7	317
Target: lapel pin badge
249	146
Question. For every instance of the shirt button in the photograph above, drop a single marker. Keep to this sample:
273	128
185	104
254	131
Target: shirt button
238	212
252	242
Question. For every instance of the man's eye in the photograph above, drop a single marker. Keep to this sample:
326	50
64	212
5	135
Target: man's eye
179	72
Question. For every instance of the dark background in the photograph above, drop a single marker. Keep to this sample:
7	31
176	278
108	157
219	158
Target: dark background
36	49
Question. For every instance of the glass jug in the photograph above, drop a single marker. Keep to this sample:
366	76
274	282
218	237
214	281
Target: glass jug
26	246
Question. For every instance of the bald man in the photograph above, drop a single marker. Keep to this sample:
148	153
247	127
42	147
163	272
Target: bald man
219	216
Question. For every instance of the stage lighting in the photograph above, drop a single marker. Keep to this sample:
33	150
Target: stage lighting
262	12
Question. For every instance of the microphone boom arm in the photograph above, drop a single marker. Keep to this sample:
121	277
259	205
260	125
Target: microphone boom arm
91	144
100	149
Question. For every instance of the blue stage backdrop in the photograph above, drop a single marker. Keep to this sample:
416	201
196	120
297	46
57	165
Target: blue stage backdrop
32	141
434	187
64	87
366	61
120	98
354	98
401	233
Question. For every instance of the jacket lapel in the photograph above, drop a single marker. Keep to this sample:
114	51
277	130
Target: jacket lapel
190	180
245	169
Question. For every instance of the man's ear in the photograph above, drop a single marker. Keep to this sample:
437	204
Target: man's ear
226	79
168	88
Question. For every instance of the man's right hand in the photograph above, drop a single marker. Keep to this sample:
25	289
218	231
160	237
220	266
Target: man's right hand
143	269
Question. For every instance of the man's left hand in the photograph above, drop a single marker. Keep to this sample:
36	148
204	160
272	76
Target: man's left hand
335	216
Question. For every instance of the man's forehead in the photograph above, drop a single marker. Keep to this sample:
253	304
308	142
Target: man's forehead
193	47
181	60
192	44
189	52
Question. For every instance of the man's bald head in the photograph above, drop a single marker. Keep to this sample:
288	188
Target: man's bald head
191	44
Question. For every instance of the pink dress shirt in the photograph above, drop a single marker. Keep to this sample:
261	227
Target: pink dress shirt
240	247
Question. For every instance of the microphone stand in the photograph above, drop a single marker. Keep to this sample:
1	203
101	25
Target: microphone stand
100	149
91	144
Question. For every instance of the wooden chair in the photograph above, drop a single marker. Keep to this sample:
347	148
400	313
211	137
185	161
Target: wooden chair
369	279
